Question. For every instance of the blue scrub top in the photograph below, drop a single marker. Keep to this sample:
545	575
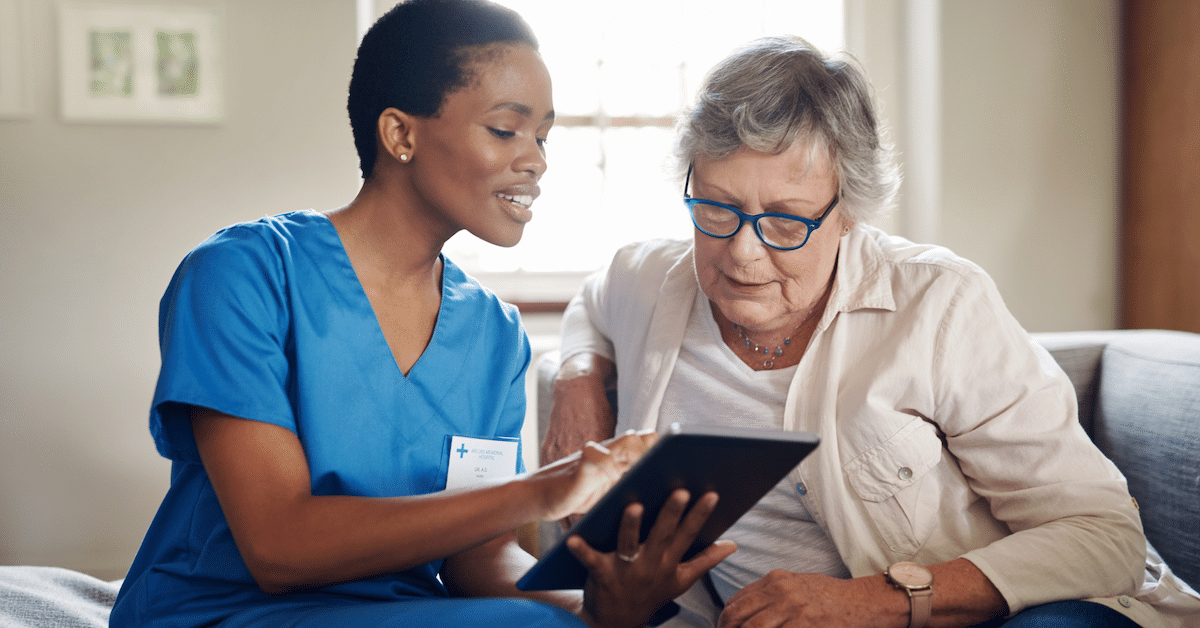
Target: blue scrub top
267	321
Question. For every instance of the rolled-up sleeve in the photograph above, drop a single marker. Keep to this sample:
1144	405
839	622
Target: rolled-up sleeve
1009	415
584	321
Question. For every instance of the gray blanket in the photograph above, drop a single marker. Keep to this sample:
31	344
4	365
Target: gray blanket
41	597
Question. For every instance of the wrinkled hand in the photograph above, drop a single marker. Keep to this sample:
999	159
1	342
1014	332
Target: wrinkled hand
575	483
626	586
782	598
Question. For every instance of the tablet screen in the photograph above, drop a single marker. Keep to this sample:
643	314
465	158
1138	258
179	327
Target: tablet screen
740	464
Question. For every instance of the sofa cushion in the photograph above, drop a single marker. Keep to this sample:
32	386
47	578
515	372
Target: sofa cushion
1148	422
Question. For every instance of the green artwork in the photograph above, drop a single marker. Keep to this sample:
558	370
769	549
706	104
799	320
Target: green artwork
177	63
112	63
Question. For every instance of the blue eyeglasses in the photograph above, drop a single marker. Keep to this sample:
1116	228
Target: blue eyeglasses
778	231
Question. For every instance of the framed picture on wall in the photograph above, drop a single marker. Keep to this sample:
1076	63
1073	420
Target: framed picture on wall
14	90
140	63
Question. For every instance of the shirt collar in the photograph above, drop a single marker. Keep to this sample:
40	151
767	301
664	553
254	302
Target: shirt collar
862	280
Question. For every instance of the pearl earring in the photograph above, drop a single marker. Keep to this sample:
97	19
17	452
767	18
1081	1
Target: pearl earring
403	157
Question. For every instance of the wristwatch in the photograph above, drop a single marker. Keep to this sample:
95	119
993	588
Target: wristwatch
917	581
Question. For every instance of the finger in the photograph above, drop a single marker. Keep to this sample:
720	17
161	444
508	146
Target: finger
673	537
632	436
597	456
701	563
739	611
664	529
628	538
729	618
686	532
593	451
648	438
747	591
590	558
630	446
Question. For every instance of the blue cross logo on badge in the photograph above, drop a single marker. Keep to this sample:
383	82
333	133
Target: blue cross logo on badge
462	450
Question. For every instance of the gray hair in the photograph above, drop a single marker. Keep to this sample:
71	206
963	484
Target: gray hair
775	91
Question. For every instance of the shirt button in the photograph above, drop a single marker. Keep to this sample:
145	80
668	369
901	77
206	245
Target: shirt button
800	488
1125	601
905	473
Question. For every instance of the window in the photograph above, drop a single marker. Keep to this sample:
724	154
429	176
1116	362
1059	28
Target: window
622	70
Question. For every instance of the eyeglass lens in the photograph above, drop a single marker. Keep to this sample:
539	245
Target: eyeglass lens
776	231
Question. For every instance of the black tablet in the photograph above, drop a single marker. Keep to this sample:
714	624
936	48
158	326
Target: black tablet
740	464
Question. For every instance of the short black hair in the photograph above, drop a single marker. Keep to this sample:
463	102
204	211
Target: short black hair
417	54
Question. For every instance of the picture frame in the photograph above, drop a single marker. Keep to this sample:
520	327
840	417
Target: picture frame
141	63
14	73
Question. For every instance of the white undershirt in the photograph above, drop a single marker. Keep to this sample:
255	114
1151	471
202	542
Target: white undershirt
710	385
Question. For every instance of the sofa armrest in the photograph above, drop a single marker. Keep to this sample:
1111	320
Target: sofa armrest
1079	353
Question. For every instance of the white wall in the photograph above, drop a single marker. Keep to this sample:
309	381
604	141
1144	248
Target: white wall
1029	161
96	217
1028	158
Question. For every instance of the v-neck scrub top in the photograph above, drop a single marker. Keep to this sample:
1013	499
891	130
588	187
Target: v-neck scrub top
267	321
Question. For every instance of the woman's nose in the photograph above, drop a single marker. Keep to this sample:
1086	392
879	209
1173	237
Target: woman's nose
745	244
532	159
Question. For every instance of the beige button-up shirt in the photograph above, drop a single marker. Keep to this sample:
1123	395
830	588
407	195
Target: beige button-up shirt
945	430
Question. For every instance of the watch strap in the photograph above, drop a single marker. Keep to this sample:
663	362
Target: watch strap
921	601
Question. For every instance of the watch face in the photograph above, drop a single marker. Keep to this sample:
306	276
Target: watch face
910	575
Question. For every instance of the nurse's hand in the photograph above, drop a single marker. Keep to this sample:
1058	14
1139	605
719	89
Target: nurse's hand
625	587
575	483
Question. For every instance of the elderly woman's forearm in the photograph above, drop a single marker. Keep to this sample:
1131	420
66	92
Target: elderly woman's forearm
581	410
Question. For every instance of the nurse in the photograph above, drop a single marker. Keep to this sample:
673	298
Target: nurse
322	374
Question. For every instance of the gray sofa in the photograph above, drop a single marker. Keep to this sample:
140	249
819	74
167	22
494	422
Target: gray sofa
1139	400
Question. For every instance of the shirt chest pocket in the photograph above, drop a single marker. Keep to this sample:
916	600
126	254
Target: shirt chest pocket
888	479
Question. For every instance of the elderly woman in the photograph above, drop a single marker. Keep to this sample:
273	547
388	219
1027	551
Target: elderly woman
953	485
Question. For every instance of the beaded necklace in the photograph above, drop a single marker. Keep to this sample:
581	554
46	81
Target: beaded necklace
769	362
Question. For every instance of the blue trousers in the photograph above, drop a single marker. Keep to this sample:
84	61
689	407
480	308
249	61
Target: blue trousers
1066	614
419	613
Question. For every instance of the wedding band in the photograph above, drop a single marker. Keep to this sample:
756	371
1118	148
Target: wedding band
629	559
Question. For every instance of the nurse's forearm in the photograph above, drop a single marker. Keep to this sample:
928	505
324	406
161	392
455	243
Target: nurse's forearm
329	539
291	539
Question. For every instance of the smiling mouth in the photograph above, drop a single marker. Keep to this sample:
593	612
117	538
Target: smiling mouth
520	200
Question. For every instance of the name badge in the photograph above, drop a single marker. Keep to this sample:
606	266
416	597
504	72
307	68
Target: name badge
473	460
